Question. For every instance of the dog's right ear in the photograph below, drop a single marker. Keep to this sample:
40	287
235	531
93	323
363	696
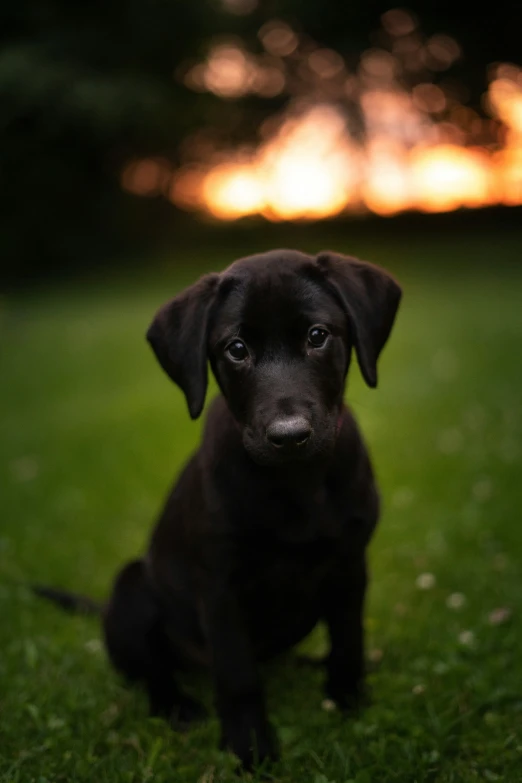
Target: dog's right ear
370	297
178	336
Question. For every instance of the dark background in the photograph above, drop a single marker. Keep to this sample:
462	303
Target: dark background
87	86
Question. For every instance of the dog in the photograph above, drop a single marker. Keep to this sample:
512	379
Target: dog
265	532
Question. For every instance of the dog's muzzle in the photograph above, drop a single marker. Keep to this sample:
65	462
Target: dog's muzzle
288	434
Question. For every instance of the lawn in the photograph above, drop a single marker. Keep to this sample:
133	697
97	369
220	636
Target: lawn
92	434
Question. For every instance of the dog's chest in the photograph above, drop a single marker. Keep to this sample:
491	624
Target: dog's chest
282	577
306	515
280	592
291	548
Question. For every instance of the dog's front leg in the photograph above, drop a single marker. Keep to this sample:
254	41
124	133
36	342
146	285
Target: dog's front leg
245	728
342	608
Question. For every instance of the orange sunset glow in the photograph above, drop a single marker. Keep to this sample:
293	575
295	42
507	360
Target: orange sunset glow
422	149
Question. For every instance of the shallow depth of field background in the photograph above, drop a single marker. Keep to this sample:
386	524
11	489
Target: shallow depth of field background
92	433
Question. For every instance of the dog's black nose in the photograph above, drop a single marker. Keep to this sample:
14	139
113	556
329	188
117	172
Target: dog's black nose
289	432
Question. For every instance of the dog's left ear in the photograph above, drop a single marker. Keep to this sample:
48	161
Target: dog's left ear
370	298
178	336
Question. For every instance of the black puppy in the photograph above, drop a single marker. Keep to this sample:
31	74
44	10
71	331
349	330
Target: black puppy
265	532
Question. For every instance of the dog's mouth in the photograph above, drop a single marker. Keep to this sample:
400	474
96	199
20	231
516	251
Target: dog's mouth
263	454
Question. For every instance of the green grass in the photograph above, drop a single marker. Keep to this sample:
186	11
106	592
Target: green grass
92	434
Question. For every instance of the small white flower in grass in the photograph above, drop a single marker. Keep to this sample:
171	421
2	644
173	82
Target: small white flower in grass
467	638
93	646
425	581
450	441
499	616
455	601
328	705
418	690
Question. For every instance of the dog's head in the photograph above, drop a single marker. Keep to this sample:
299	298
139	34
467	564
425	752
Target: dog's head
278	329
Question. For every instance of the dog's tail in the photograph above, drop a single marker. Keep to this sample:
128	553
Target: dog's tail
69	602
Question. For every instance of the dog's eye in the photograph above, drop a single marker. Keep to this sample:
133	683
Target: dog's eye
237	350
317	336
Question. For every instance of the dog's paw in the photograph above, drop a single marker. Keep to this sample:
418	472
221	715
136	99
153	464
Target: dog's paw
186	712
254	745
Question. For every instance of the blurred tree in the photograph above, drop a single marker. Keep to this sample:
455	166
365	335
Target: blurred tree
83	86
89	85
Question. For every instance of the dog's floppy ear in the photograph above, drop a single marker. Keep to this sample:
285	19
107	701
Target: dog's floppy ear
178	336
370	297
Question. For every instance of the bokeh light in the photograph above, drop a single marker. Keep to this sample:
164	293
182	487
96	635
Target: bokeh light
386	136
